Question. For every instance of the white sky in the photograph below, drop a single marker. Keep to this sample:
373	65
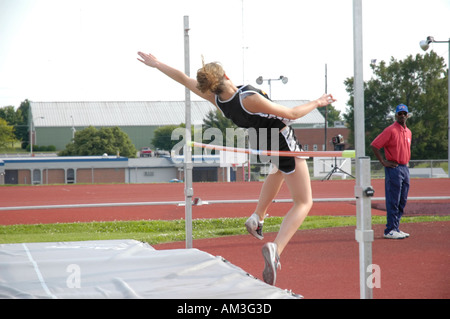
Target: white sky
85	50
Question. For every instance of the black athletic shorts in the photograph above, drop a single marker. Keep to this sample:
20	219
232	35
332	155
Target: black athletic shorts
287	141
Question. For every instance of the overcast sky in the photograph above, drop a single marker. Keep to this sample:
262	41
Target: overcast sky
85	50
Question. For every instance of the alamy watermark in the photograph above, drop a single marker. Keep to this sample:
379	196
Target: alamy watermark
374	279
74	278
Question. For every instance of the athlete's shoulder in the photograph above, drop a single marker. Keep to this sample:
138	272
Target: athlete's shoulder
251	89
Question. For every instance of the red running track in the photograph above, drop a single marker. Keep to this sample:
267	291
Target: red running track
320	263
324	264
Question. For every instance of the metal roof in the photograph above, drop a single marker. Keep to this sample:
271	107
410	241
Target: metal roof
150	113
154	113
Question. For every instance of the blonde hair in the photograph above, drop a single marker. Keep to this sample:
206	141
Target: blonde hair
210	77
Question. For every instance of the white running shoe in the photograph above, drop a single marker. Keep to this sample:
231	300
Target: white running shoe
254	226
404	234
394	235
272	262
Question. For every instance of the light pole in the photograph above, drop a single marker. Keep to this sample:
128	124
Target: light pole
425	44
260	81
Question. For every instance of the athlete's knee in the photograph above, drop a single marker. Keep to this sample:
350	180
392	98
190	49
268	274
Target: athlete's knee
305	202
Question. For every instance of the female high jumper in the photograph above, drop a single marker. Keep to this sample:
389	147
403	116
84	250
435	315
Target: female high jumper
249	107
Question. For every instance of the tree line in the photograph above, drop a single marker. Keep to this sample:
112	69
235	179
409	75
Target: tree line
420	82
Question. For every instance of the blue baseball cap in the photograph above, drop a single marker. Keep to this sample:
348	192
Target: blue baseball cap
401	108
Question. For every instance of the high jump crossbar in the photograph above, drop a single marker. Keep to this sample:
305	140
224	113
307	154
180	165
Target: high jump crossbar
345	153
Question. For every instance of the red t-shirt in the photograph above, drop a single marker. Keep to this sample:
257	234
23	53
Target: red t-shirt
396	141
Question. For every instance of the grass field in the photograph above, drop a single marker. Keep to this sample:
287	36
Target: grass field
160	231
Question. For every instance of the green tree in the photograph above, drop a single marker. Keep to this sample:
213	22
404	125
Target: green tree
163	139
17	120
91	141
7	137
10	115
420	82
22	129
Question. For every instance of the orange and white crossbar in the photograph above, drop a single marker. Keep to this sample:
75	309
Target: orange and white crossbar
345	153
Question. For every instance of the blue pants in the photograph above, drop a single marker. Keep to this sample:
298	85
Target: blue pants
396	189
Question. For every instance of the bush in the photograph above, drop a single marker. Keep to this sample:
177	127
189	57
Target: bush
96	142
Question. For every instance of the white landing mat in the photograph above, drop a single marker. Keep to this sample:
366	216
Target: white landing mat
121	269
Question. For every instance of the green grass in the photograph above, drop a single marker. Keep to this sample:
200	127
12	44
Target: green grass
159	231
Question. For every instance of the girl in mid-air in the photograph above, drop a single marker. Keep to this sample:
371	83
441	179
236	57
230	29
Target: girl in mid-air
249	107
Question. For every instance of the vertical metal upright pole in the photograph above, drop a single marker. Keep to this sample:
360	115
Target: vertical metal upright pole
363	232
358	79
188	190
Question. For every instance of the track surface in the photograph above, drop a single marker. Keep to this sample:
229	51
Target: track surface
319	263
128	193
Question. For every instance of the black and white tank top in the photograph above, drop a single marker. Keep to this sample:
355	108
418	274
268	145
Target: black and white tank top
234	109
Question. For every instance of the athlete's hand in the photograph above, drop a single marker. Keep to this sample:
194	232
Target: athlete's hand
325	100
148	59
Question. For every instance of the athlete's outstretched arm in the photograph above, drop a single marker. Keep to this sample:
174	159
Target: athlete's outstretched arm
175	74
257	104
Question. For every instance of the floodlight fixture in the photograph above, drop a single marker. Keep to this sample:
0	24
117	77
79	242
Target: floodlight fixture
425	44
282	78
259	80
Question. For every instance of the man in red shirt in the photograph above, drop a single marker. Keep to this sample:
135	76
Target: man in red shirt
396	141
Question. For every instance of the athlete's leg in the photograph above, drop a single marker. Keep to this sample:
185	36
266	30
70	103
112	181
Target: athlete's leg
269	190
299	185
